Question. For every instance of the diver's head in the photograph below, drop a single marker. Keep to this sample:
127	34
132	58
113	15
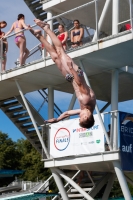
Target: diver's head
86	118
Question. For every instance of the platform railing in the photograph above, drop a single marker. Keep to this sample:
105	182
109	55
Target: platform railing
112	128
94	33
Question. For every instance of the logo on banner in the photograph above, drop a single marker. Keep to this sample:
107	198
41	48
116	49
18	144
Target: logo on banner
78	130
62	139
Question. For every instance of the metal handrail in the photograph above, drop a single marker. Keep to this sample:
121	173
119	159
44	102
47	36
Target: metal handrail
54	17
44	183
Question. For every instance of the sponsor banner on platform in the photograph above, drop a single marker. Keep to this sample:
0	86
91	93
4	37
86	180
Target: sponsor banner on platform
126	140
68	138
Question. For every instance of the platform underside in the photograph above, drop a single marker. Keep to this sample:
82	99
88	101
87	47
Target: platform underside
99	59
97	162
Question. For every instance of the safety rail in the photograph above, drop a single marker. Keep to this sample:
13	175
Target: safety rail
112	133
92	34
44	1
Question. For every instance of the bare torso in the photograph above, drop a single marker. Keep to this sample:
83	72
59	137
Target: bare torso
84	93
76	37
18	27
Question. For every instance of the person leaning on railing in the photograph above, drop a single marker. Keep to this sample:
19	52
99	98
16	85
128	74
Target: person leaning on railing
62	36
77	34
20	40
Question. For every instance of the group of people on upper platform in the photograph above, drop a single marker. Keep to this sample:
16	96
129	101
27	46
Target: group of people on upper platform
76	35
20	40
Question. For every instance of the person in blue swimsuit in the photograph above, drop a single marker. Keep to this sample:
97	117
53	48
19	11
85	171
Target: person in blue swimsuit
72	73
20	39
76	34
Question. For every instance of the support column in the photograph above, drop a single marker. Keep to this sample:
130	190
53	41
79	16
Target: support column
114	106
44	54
115	16
77	187
122	180
51	115
1	54
71	105
114	135
59	184
108	187
50	102
49	16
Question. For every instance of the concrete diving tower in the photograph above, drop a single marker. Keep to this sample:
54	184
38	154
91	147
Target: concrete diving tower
107	64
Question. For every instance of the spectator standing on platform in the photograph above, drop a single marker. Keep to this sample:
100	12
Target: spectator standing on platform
20	39
63	35
4	57
77	34
73	74
3	24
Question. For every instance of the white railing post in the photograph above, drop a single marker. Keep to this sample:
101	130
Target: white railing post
131	11
50	102
114	106
1	53
102	17
115	16
50	22
96	17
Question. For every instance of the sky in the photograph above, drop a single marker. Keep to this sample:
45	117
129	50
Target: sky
9	10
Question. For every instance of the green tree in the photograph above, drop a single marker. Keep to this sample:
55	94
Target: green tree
9	155
31	162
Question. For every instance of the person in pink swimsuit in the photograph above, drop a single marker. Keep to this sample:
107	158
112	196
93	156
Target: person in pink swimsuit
63	35
20	39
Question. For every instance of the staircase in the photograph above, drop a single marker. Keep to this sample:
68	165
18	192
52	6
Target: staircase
14	109
36	9
91	184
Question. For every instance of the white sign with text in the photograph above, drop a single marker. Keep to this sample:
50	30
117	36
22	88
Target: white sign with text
67	138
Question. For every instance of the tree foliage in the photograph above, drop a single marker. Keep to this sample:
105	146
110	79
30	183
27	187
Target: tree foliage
21	155
9	155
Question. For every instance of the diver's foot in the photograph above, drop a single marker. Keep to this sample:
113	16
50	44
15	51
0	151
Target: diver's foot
36	33
42	24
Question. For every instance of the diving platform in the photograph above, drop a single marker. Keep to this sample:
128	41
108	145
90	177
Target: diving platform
98	58
101	162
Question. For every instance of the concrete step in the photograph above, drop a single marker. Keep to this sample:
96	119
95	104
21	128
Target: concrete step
85	189
85	185
75	195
